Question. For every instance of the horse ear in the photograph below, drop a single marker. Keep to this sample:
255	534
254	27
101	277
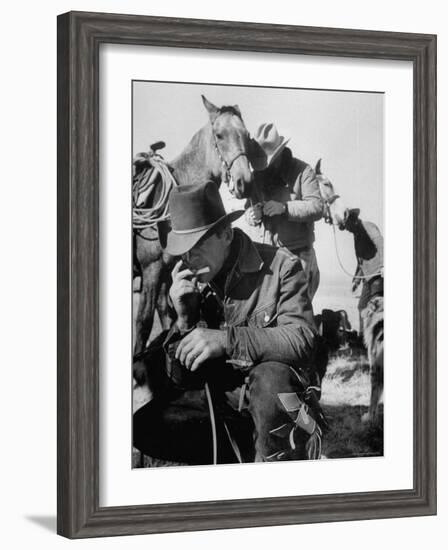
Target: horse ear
212	109
317	169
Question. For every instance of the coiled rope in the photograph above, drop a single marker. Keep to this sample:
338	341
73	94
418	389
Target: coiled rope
152	170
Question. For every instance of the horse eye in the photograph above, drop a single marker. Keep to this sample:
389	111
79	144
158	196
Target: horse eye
218	136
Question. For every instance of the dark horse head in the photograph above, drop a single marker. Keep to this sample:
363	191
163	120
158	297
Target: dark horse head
230	140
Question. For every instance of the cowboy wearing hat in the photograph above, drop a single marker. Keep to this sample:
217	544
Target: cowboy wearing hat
289	199
244	339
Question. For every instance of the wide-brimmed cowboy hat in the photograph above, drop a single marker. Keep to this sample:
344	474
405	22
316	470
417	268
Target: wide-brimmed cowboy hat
267	144
194	210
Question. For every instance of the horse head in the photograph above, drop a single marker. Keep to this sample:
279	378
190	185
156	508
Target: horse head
230	141
335	212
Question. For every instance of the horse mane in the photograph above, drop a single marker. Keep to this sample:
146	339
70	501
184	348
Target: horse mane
184	165
230	109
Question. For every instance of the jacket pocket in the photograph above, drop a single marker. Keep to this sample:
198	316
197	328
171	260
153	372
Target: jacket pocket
263	316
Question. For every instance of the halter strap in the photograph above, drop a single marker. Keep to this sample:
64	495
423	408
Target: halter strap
327	203
227	165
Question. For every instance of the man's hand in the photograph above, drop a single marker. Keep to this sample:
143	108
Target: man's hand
185	296
200	345
274	208
254	214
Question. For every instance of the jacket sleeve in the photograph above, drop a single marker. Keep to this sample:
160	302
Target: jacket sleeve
292	341
310	208
172	340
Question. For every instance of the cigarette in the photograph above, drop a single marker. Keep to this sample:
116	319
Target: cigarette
202	270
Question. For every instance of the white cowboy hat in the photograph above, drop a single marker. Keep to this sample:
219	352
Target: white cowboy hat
268	144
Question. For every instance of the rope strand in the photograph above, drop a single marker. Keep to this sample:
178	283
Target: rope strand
213	423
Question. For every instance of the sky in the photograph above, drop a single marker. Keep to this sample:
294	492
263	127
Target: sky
345	129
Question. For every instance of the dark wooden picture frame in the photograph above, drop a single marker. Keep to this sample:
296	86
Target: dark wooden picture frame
79	38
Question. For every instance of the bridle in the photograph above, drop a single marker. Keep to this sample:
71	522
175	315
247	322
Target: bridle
327	212
227	165
327	202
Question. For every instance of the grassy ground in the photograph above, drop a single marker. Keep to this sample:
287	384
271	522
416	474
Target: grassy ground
349	436
345	399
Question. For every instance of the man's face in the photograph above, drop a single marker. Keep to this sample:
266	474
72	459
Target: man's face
209	252
274	169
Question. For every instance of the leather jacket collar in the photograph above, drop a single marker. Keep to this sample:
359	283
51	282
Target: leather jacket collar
249	259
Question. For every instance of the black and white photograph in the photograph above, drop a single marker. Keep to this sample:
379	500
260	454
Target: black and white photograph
231	207
258	308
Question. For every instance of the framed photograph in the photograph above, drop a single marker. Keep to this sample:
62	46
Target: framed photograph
246	274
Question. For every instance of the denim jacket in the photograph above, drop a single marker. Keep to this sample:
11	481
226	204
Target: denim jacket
265	309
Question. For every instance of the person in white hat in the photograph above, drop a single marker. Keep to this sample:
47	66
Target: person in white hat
289	200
